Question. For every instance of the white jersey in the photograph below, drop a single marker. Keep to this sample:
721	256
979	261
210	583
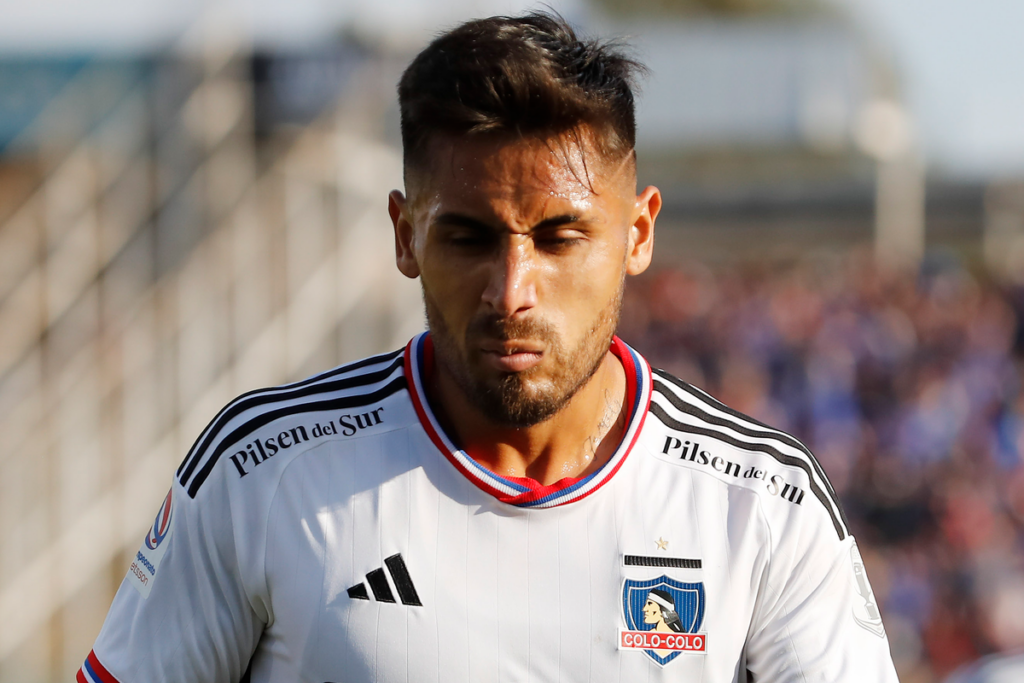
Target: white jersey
329	531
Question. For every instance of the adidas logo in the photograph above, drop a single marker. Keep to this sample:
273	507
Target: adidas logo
378	581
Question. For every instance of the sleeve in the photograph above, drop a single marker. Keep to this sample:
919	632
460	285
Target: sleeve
816	618
183	613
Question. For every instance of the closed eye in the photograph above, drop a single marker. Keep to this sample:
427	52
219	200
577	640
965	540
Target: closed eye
557	241
464	232
472	240
554	234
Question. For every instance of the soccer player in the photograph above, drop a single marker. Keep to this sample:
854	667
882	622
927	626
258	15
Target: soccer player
502	499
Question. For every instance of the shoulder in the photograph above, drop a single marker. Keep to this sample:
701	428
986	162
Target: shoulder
694	431
274	425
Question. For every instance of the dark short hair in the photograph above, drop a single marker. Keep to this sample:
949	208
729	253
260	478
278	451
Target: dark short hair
528	75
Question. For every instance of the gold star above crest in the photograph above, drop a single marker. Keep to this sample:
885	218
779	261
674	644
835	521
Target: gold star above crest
661	543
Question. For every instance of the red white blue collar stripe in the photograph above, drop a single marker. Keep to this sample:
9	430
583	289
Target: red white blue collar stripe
524	492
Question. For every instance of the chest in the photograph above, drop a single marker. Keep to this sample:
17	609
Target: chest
422	577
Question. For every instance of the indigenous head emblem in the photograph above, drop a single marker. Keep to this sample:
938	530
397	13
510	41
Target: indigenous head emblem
663	617
161	524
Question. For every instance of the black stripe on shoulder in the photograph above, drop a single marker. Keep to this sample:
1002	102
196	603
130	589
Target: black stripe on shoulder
738	426
771	432
790	460
307	387
340	403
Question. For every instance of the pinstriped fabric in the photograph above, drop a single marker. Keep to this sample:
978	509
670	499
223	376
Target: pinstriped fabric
759	429
253	399
349	386
684	408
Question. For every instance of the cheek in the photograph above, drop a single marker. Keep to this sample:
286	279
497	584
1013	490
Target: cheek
454	291
586	287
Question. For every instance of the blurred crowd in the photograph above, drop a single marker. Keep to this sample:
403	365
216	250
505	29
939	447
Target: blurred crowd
908	388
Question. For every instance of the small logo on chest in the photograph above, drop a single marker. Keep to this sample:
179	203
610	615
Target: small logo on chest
663	615
378	581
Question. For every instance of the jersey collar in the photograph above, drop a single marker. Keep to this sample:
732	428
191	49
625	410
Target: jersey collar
524	492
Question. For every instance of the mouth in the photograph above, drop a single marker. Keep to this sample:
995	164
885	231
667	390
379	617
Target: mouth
512	355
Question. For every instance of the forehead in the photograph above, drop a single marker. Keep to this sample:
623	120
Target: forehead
496	170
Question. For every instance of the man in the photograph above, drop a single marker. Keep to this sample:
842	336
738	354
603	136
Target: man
499	500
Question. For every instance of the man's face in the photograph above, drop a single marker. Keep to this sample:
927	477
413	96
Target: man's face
522	247
652	613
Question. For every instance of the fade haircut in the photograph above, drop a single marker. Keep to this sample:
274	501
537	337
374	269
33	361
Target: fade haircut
519	76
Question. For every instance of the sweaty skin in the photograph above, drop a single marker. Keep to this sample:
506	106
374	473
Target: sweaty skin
522	246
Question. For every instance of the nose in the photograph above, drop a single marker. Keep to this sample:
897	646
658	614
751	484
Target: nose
511	286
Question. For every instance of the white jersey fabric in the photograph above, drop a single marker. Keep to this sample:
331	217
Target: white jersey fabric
329	531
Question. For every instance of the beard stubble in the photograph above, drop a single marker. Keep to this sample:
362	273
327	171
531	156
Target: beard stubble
518	399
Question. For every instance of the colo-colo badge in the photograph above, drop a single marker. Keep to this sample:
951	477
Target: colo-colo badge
663	618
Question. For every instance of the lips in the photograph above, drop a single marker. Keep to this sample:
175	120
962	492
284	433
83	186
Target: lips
511	356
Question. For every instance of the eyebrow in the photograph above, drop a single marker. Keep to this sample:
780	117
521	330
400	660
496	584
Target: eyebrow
463	221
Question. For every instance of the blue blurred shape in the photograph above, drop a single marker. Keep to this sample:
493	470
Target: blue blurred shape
994	669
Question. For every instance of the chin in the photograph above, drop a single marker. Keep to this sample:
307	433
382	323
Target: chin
515	401
532	396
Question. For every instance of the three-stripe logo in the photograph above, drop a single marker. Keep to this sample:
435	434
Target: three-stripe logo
379	584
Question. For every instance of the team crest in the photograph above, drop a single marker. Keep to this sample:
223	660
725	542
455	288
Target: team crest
663	618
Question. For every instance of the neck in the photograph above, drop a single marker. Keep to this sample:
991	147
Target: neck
574	442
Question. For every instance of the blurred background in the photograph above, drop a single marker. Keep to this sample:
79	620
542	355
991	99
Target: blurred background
193	204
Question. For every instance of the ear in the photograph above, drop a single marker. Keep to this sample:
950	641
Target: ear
641	233
405	256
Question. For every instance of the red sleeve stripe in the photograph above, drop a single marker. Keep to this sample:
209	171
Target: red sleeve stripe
95	671
81	677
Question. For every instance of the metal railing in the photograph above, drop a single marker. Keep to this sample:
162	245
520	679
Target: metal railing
140	292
